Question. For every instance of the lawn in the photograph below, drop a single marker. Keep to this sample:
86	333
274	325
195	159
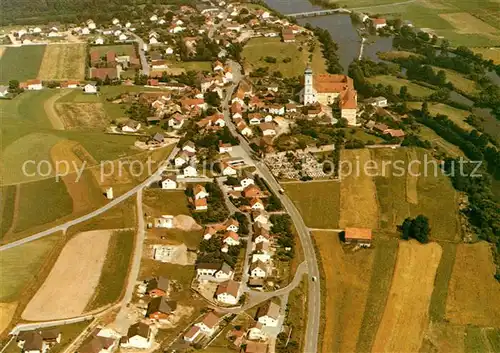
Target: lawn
456	115
257	49
21	63
63	62
7	206
21	265
120	49
115	270
384	260
413	88
68	334
166	202
42	202
318	202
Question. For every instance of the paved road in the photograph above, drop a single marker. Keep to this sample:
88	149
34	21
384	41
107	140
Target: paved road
119	199
314	298
142	55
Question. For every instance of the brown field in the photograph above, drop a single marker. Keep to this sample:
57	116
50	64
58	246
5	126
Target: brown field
466	23
489	54
84	192
63	62
406	314
347	283
2	50
7	311
81	116
443	337
73	279
412	179
358	193
473	291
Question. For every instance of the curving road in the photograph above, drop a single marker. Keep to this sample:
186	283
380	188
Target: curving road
111	204
314	298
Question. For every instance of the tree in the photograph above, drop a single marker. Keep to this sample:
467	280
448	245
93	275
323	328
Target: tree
13	85
417	228
212	98
425	109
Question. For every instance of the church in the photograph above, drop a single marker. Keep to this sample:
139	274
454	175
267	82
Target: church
327	89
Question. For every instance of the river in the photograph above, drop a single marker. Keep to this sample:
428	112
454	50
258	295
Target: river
340	26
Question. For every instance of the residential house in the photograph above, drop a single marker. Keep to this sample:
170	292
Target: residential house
267	129
276	109
378	22
190	171
209	324
269	314
256	333
209	232
236	110
287	35
218	66
158	287
228	292
380	102
255	118
228	170
261	217
32	85
200	204
4	90
189	147
291	108
99	41
359	236
169	51
160	308
256	347
258	269
131	126
398	133
98	344
176	121
256	204
214	272
232	225
70	84
165	221
231	239
181	159
90	88
244	129
139	335
225	147
193	333
252	191
200	192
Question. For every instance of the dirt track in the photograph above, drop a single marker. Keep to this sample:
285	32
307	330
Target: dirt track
73	279
55	119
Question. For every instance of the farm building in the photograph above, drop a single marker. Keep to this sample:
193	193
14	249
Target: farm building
360	236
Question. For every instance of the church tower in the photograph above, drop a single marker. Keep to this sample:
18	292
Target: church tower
308	86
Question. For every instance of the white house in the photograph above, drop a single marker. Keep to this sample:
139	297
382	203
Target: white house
208	233
225	147
277	109
227	170
90	88
181	159
85	31
128	24
168	182
153	40
122	37
153	18
99	41
189	147
139	335
214	272
228	292
34	85
200	192
231	239
269	314
115	21
209	324
232	225
256	333
4	90
258	269
193	333
131	126
91	24
169	51
190	171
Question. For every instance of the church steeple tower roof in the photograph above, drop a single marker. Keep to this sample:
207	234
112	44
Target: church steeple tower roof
308	69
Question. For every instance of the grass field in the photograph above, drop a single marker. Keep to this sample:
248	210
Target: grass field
42	202
460	21
406	313
166	202
358	194
473	290
439	143
20	265
7	208
115	270
456	115
386	250
121	49
437	306
489	54
258	48
318	202
479	340
21	63
434	193
63	62
458	81
413	88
